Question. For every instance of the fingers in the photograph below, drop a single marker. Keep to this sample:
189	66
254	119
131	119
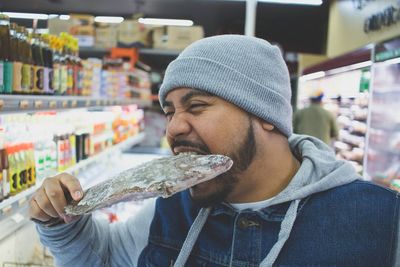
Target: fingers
36	212
52	190
51	198
45	204
72	184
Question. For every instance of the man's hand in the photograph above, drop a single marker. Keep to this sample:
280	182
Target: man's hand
49	200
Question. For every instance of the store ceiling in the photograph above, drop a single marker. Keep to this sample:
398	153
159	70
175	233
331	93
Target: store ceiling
296	28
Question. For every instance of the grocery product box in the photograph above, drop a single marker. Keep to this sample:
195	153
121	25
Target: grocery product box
84	33
57	26
106	36
131	33
83	29
176	37
81	19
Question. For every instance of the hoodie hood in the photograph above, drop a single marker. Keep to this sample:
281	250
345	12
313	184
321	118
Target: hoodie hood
319	171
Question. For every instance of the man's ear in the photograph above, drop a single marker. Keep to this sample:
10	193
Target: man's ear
267	126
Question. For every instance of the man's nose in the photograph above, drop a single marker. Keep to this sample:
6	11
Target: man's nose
178	125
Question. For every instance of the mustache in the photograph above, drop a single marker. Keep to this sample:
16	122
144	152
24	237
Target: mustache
201	147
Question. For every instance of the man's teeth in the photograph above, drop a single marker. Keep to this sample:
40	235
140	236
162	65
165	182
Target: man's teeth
187	153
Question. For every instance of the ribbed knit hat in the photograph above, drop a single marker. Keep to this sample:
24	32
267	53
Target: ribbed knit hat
246	71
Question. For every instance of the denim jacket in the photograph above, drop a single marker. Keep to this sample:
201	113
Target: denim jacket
351	225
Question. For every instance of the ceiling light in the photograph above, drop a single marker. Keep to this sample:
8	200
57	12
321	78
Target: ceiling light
64	17
312	76
295	2
291	2
17	15
107	19
169	22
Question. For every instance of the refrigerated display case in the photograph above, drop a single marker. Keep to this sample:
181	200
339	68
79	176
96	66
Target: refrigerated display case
382	161
346	94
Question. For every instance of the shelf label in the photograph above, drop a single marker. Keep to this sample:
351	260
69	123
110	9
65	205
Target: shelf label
21	201
23	104
52	104
7	209
64	104
38	104
17	218
1	104
74	103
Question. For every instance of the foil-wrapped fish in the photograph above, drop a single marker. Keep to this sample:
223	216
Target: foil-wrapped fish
160	177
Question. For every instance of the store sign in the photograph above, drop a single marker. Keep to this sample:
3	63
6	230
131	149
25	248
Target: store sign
385	18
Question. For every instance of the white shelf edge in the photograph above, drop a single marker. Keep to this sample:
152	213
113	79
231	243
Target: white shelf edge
118	147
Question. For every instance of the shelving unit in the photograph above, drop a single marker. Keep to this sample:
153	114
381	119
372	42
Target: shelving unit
86	52
13	210
352	116
30	103
382	162
157	59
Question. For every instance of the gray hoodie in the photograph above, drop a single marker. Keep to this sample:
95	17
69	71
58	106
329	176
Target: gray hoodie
88	242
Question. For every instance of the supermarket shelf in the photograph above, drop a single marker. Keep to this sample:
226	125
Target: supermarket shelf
31	103
159	52
7	206
125	145
98	52
86	52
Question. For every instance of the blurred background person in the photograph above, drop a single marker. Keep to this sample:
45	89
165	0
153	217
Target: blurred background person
315	120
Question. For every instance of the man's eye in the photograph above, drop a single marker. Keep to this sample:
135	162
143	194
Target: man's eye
169	114
195	106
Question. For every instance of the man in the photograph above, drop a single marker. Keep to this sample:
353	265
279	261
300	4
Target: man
316	121
285	202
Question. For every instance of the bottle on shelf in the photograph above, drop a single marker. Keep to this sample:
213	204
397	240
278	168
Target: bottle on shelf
27	80
48	65
21	162
13	170
2	183
37	53
7	68
63	68
5	167
54	45
15	57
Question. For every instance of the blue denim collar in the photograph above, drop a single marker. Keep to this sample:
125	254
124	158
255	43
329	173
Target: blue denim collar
274	213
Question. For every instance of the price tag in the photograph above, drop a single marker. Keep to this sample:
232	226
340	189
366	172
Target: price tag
17	218
38	104
7	209
21	201
1	104
52	104
74	104
23	104
64	104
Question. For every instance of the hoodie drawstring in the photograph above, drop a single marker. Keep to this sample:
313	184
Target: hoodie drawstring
284	232
191	238
195	229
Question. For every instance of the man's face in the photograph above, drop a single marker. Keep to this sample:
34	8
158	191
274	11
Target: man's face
206	124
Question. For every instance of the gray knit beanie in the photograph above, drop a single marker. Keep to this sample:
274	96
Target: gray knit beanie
246	71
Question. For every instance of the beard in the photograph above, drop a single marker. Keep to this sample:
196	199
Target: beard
215	191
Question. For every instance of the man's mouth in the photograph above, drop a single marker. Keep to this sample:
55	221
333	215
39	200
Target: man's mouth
186	150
